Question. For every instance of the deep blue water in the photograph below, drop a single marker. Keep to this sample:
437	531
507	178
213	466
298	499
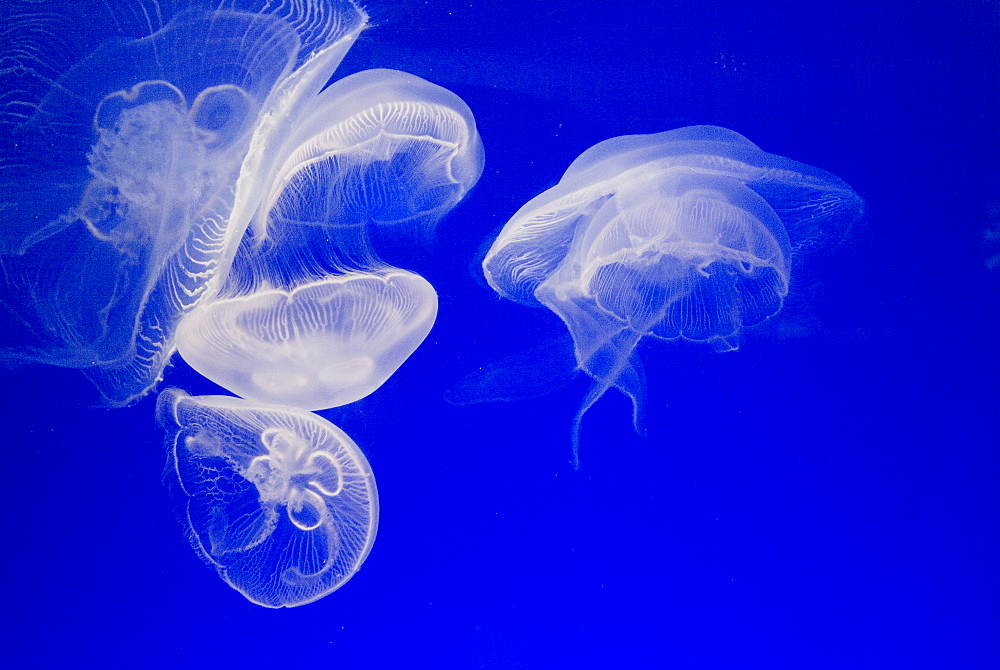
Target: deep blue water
825	497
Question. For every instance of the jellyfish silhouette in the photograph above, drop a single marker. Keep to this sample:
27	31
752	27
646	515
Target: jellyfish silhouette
279	500
130	182
683	235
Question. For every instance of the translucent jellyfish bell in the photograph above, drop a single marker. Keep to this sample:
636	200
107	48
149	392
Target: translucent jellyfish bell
309	316
279	501
322	344
129	183
379	149
687	234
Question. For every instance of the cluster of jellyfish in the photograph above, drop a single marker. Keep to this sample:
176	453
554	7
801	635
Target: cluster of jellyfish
201	190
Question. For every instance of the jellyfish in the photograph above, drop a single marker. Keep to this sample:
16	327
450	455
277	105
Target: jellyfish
281	502
688	235
379	154
130	177
194	183
323	344
309	315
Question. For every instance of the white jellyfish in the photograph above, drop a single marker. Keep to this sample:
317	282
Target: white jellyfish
323	344
379	150
687	234
309	316
279	501
129	184
194	182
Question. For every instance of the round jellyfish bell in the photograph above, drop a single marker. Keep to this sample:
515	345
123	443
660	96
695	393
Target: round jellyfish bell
281	502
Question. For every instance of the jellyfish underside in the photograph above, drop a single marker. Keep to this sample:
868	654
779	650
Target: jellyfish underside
280	501
668	237
155	168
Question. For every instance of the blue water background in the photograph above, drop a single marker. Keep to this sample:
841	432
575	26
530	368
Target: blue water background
826	497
